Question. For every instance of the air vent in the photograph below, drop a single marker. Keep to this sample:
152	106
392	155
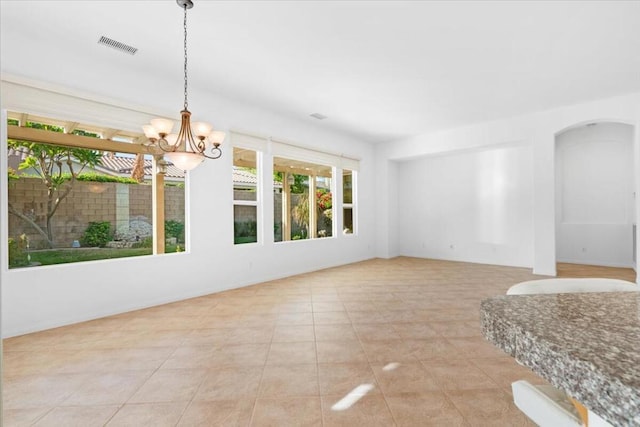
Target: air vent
118	45
318	116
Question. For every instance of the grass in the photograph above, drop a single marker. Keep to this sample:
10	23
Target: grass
249	239
64	256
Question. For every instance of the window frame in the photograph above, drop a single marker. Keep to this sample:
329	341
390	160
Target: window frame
257	203
73	138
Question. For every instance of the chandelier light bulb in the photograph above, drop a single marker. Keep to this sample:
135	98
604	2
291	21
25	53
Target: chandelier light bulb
201	129
162	126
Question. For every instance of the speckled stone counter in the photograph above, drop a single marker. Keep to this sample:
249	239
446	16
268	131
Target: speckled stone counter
586	344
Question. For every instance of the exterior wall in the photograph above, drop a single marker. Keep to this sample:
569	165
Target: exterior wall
88	201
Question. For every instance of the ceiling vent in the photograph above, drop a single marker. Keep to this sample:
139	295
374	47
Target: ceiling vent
318	116
118	45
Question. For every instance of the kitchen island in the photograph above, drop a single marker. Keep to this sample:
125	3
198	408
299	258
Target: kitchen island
587	344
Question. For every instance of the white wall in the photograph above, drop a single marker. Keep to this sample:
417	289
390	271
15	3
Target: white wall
44	297
469	206
538	130
594	195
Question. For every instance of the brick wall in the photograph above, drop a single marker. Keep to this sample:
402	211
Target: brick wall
88	201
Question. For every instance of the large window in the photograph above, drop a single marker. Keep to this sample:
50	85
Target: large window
71	203
348	186
304	201
245	195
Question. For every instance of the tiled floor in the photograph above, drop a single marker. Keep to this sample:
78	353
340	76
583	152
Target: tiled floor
382	342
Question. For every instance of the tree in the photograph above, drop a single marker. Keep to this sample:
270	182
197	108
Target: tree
137	172
58	168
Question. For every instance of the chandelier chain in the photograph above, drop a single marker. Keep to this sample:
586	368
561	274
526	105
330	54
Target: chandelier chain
186	103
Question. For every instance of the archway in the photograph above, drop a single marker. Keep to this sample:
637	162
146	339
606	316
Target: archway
595	194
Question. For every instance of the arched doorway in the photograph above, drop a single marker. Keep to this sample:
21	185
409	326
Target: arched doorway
595	195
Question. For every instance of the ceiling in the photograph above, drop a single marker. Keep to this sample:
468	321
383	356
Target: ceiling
379	70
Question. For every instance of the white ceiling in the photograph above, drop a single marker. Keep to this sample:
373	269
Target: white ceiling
379	70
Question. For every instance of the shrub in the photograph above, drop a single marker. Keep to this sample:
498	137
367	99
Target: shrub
245	229
97	234
147	242
96	177
174	229
18	256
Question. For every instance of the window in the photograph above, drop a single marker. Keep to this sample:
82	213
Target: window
305	200
348	181
245	196
87	200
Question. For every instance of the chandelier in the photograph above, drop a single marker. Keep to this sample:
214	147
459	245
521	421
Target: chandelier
193	142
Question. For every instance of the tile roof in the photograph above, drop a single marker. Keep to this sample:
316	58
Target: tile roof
122	165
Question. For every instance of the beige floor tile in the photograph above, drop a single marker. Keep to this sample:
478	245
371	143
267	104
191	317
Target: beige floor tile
341	378
214	350
167	385
330	318
340	352
375	332
299	412
434	348
289	380
418	331
250	335
190	357
457	328
108	389
399	378
39	391
323	306
424	409
210	337
295	318
240	382
476	347
505	370
458	374
487	407
283	353
359	305
344	332
220	413
22	417
77	416
367	317
300	333
367	410
389	351
240	355
148	414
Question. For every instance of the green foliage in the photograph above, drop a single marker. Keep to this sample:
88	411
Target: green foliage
13	122
245	229
18	256
81	132
42	126
147	242
12	175
49	160
96	177
174	229
300	184
97	234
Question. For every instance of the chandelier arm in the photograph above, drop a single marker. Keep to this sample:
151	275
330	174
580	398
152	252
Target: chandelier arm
216	153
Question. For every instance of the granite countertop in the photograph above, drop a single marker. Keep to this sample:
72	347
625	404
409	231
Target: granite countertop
586	344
